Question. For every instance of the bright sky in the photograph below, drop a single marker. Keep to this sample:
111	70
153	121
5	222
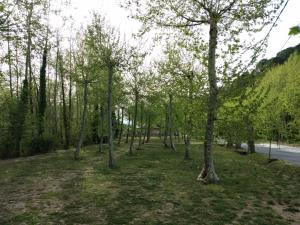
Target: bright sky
118	17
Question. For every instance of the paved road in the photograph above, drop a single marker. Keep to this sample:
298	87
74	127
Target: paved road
286	153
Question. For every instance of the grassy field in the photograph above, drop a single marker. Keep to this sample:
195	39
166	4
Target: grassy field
154	186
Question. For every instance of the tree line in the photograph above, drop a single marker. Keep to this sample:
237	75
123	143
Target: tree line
95	87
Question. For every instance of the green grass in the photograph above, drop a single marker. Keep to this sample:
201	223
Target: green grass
154	186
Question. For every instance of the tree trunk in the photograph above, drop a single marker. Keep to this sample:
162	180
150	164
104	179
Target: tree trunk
170	111
17	69
95	125
109	109
187	144
121	125
141	126
55	91
166	131
70	100
42	92
238	145
65	118
28	67
251	145
208	173
128	126
9	65
229	143
270	148
148	130
134	122
144	135
101	129
187	140
83	120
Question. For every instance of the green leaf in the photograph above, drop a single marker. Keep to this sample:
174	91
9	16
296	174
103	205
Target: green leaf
294	30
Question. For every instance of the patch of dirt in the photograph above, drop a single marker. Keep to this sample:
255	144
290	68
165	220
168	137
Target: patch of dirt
34	193
283	211
241	213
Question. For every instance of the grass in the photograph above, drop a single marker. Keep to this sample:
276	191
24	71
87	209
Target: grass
154	186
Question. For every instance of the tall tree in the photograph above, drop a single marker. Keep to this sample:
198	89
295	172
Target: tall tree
223	19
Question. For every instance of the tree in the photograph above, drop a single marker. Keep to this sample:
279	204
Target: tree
223	18
107	44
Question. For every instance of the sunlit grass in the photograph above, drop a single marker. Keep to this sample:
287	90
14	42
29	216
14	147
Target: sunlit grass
154	186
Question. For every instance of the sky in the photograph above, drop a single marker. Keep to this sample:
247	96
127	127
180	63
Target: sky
81	11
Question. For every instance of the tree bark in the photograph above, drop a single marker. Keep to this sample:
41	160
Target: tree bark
83	120
251	143
166	132
65	117
117	125
95	125
170	124
141	126
208	173
42	92
17	69
55	91
187	140
128	128
101	129
148	130
28	67
134	122
270	149
109	109
9	65
121	125
70	98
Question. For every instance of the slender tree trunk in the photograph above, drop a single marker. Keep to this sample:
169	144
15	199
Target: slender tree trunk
17	69
159	133
77	106
28	67
101	129
148	130
83	120
70	98
251	144
238	145
121	125
109	109
55	91
229	143
166	131
65	117
128	128
95	125
117	125
170	125
270	149
144	135
134	122
141	126
9	65
208	173
42	93
187	139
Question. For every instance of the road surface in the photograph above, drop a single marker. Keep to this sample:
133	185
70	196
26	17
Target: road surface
286	153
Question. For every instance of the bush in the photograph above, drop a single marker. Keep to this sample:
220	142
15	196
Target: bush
41	144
